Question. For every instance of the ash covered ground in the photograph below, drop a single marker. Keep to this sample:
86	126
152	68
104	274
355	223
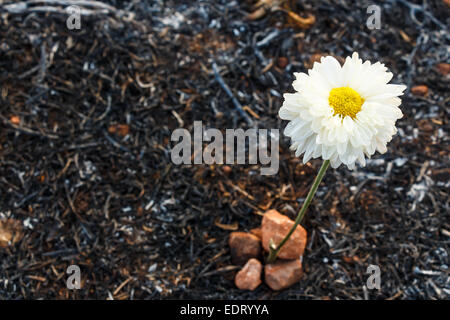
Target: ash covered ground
86	176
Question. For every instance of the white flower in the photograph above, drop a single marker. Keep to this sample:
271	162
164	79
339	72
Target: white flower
342	114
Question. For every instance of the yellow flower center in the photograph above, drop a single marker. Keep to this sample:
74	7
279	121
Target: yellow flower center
345	101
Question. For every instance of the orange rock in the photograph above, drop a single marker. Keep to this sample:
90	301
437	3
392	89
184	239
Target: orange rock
226	169
11	232
314	58
275	226
443	68
257	232
283	274
15	120
120	129
244	246
421	90
249	278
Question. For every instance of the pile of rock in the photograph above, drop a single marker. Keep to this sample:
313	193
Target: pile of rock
246	250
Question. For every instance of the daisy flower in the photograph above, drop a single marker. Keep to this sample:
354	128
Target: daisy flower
342	113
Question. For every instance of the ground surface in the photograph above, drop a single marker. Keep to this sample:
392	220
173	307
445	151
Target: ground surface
85	170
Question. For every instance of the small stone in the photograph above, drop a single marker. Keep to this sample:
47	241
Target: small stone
11	232
15	120
317	57
249	277
119	129
314	58
257	232
421	90
275	226
226	169
283	274
443	68
244	246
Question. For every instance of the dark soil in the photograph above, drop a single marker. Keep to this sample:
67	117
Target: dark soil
86	176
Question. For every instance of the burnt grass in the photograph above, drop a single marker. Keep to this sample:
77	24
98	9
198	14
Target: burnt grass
86	175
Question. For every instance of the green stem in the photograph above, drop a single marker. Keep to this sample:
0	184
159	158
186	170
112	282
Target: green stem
274	251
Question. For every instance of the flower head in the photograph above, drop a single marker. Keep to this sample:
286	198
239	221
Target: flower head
342	113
